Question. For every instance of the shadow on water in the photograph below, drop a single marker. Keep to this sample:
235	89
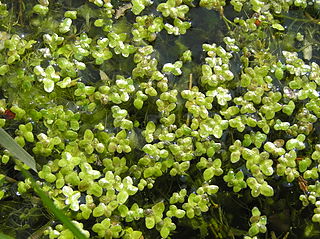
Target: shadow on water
207	27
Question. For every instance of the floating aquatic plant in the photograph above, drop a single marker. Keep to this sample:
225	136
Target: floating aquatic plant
133	141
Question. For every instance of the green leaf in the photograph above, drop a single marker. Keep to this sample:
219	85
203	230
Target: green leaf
164	232
123	209
277	26
208	174
29	136
88	135
48	85
266	190
150	222
99	210
71	14
255	212
138	103
180	213
235	156
65	25
279	73
95	189
158	209
136	235
316	218
4	69
212	189
122	197
254	230
137	7
40	9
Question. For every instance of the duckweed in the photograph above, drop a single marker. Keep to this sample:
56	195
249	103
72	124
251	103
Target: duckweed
134	141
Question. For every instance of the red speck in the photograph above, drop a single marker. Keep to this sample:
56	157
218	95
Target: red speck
8	114
257	22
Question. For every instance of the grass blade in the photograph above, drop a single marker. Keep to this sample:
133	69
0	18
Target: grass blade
16	150
58	213
4	236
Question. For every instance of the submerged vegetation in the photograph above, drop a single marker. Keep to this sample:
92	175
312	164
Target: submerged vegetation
161	119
